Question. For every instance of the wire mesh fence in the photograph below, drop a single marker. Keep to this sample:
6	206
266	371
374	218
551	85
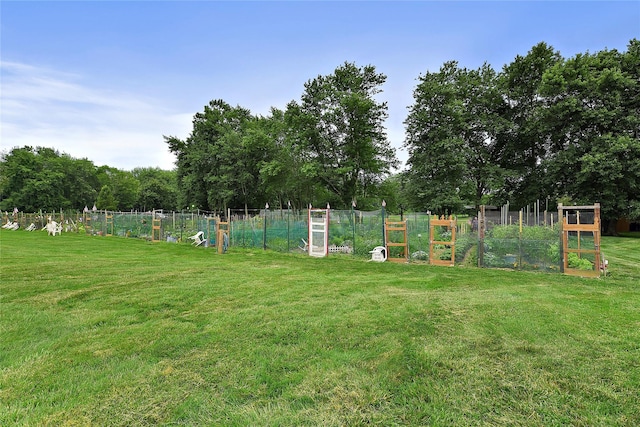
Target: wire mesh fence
492	239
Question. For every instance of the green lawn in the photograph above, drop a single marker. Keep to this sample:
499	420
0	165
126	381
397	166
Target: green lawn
115	331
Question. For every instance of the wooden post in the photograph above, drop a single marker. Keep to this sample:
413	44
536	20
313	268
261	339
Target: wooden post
561	247
481	236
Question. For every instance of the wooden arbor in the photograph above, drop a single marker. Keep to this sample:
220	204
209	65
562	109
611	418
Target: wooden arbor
580	230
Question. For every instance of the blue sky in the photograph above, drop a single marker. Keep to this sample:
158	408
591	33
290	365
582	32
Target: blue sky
106	80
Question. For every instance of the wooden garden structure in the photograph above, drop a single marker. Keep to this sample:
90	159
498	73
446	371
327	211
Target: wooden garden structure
580	225
395	235
450	225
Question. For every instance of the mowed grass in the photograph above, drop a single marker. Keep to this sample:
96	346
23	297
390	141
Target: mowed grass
113	331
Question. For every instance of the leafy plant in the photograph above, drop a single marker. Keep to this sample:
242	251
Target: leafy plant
574	261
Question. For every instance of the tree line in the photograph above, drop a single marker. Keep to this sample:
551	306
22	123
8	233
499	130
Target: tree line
40	178
543	127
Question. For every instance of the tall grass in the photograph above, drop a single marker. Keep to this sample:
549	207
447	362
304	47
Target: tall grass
114	331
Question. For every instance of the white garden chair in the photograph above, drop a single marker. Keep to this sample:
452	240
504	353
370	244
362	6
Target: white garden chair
379	254
198	238
53	228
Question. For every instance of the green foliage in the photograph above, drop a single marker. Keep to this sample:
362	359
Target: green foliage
574	261
34	179
536	248
545	127
106	199
157	190
452	138
592	125
528	233
338	130
215	168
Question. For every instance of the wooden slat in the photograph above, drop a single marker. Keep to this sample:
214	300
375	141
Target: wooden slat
443	262
583	273
581	227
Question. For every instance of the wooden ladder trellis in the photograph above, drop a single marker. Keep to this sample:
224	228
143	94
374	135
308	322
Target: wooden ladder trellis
579	228
394	228
450	223
156	225
109	224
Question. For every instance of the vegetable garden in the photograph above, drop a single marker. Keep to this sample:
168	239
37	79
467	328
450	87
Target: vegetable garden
532	241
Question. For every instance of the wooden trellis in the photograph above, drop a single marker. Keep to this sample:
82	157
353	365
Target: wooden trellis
572	226
450	224
156	225
396	229
109	223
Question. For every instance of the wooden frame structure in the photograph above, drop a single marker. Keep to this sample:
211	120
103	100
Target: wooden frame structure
156	226
451	224
318	245
569	226
393	228
221	234
109	223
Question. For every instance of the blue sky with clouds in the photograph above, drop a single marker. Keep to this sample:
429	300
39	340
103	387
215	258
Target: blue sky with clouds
106	80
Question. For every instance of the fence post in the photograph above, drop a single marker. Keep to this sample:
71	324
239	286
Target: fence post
264	228
384	240
353	226
561	237
288	225
520	242
481	237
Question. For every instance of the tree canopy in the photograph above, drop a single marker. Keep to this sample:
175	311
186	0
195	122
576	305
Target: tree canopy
40	178
329	148
544	127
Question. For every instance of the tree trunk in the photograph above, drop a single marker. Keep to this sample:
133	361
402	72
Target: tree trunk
608	227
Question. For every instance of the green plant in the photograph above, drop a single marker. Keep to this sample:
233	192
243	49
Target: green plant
574	261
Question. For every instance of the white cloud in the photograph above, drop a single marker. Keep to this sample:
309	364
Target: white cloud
44	107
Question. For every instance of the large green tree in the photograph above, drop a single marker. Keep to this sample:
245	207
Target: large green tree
157	189
106	199
523	141
338	132
34	179
281	174
123	184
452	136
218	164
592	125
